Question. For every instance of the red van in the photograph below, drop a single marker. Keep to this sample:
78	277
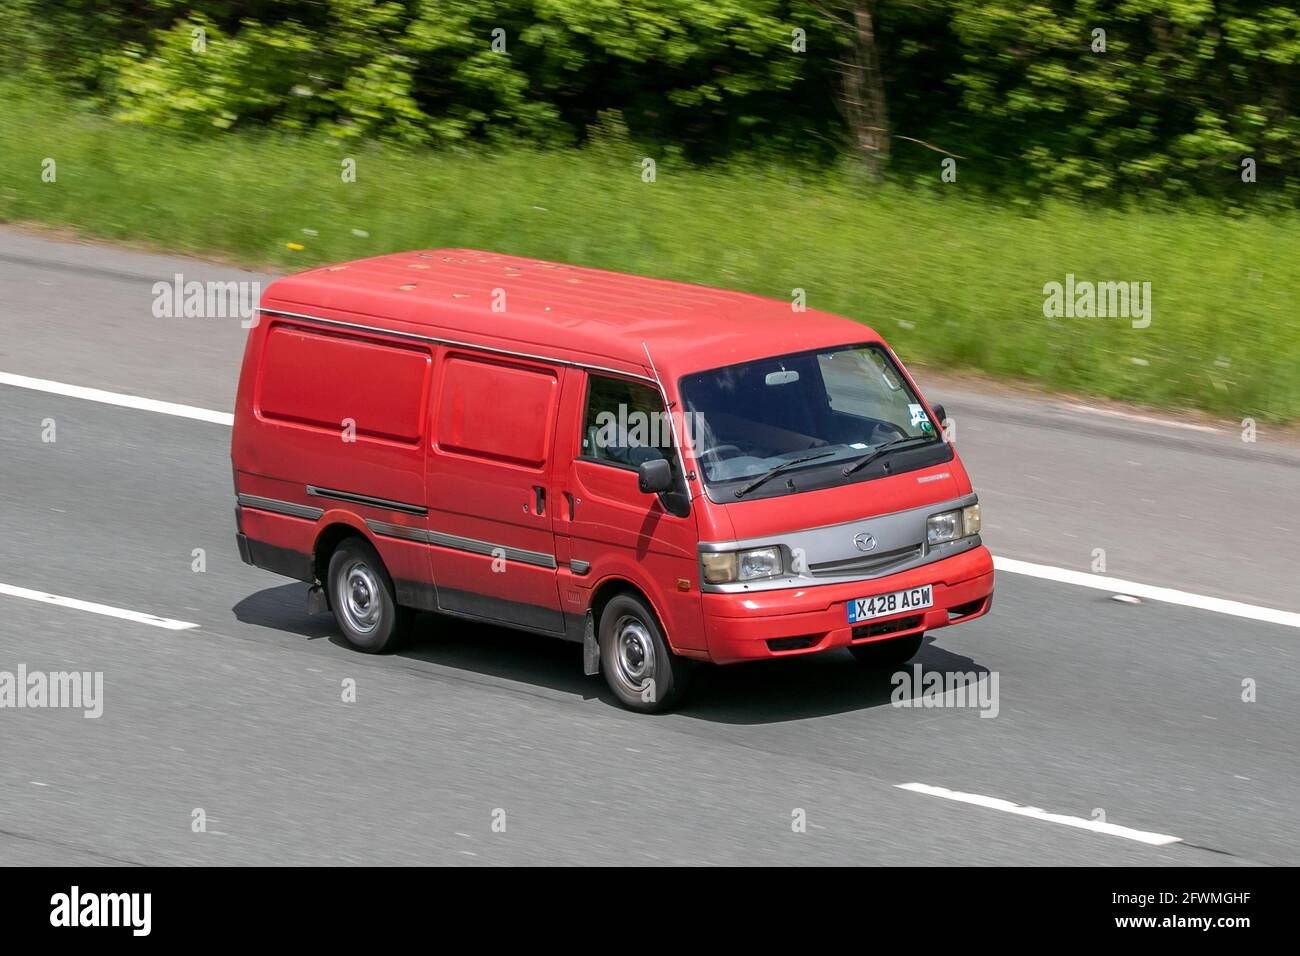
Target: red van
664	472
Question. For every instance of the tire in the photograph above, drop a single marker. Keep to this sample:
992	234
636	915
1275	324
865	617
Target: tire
639	667
362	598
888	653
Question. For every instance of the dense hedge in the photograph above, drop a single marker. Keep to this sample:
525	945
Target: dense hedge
1184	91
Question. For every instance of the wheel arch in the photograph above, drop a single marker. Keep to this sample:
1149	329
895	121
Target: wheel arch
610	587
331	535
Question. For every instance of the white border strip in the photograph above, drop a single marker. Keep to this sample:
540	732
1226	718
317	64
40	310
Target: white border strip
995	803
116	398
138	617
1168	595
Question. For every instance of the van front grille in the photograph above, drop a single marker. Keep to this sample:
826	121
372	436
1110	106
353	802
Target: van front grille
867	563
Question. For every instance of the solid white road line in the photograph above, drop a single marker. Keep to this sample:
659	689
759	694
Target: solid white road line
1011	566
117	398
1168	595
138	617
994	803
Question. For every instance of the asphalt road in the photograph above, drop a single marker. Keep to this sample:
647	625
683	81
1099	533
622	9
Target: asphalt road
1131	711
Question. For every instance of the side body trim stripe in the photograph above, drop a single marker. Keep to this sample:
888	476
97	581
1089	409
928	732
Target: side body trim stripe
389	530
351	496
457	543
276	506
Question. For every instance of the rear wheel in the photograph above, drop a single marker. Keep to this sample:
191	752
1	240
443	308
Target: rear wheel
642	671
362	598
888	653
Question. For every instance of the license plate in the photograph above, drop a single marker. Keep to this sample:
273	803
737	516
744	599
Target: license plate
895	602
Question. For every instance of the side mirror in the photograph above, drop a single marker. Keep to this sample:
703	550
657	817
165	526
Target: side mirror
654	477
941	415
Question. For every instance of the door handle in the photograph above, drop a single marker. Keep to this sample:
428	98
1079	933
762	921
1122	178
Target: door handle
568	499
539	498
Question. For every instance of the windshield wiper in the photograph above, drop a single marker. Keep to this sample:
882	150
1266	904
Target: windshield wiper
741	492
879	450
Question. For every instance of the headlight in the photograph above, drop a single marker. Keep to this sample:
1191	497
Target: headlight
724	567
952	525
943	527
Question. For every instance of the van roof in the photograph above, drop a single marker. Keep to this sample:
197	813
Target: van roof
568	312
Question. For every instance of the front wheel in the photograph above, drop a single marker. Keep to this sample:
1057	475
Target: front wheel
888	653
363	600
642	671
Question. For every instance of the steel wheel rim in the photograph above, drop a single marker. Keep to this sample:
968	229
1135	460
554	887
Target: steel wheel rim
634	653
359	597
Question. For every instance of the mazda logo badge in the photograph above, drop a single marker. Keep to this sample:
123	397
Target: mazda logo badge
863	541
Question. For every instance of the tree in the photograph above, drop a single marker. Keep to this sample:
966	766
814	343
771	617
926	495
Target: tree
862	101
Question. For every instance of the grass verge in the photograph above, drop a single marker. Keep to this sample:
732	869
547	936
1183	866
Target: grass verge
951	279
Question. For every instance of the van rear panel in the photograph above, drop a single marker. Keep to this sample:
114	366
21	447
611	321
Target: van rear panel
330	429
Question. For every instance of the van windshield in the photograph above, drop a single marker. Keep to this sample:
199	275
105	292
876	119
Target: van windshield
808	416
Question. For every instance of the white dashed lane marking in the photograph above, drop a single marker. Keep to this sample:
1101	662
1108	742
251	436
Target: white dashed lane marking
139	617
1034	813
117	398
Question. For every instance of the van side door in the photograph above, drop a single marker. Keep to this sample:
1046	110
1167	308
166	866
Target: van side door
492	547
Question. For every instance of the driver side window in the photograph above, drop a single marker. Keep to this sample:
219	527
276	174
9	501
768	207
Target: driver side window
625	424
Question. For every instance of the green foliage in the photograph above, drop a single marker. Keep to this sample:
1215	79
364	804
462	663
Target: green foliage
1183	92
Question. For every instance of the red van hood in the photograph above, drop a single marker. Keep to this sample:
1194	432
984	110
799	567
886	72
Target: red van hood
850	502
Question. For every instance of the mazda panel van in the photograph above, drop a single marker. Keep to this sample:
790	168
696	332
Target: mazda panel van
664	473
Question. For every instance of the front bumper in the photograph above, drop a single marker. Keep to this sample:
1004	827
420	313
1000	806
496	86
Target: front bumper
808	620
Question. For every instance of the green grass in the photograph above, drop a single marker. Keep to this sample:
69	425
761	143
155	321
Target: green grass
952	280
